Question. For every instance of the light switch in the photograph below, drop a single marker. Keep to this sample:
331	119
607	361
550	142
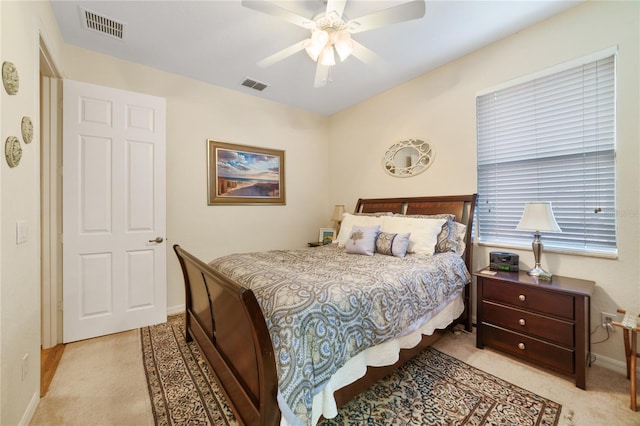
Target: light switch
22	231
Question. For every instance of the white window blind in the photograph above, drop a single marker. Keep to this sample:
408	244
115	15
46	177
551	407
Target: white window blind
550	139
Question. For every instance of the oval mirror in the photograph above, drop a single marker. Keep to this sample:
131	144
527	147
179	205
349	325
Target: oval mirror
408	158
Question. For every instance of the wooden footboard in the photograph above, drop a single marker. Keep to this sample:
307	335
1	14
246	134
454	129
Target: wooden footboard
227	324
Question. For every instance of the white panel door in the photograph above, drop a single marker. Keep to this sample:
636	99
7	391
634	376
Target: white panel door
114	254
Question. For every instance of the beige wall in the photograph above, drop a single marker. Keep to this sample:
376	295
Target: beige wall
195	112
329	160
21	24
440	106
198	111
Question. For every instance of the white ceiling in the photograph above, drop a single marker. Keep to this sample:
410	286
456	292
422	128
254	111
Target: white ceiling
219	42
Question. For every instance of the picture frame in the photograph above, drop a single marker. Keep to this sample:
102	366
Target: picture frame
327	235
244	175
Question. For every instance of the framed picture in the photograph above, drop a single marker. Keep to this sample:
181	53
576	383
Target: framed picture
327	235
239	174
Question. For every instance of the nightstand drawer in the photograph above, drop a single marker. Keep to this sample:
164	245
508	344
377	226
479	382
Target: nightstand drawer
534	350
555	330
560	305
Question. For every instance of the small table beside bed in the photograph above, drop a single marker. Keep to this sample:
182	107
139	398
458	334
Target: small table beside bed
291	335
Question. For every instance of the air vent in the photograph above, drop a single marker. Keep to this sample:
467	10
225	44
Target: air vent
102	24
254	84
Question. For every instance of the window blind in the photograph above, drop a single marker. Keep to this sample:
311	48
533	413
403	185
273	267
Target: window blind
550	139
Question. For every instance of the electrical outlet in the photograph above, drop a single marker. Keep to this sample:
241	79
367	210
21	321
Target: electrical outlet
608	319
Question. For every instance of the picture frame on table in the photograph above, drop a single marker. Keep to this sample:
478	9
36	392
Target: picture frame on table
241	174
327	235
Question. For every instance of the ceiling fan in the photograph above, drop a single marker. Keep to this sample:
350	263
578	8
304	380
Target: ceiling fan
331	32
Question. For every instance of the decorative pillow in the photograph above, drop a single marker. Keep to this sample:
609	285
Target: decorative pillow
375	214
457	233
447	216
349	221
424	231
362	240
392	244
443	245
451	237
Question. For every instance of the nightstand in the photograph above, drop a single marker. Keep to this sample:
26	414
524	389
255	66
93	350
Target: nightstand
546	323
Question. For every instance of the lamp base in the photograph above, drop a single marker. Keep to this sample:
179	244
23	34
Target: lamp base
540	273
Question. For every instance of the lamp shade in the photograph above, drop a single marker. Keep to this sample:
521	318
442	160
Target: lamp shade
338	211
327	57
343	44
316	44
538	216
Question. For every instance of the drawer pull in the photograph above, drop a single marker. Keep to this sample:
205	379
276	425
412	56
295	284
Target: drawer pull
521	346
522	297
521	321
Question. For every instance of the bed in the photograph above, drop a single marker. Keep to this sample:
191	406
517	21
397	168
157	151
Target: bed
235	312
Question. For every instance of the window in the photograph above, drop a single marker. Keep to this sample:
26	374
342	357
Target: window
551	138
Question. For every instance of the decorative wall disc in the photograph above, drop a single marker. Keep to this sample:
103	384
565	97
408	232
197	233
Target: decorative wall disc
27	129
10	78
12	151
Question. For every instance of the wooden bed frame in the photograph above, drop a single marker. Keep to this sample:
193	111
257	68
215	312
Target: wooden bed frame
227	324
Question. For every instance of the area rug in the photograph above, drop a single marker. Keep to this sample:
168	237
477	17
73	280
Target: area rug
432	389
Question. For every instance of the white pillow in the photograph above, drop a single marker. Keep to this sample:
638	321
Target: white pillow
350	220
424	232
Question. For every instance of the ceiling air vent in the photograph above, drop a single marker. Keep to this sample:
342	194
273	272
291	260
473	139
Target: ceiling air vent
254	84
102	24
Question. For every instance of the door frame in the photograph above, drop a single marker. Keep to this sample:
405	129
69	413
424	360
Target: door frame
50	200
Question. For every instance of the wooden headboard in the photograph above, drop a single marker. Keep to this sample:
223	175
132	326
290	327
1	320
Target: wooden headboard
462	206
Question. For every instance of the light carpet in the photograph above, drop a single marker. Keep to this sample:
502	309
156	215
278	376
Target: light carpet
432	389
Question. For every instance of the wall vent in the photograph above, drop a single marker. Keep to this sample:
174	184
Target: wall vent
102	24
254	84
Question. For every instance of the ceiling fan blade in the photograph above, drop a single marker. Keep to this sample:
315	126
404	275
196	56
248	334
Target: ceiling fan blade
364	54
335	8
272	9
322	75
405	12
282	54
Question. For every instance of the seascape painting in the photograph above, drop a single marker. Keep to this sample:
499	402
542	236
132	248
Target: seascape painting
245	175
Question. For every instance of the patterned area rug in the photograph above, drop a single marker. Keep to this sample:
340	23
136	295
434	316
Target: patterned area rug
432	389
183	390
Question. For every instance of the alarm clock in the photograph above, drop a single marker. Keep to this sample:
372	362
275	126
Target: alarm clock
501	261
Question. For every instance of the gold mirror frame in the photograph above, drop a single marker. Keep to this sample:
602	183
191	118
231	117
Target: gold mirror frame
408	158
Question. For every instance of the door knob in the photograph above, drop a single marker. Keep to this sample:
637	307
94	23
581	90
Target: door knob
157	240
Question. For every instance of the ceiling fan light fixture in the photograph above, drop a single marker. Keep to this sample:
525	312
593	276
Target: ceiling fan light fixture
343	44
327	58
331	31
312	52
319	38
317	42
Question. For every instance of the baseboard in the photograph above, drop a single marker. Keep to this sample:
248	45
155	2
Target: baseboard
31	409
177	309
611	364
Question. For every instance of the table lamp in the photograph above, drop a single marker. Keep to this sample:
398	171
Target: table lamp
538	216
338	212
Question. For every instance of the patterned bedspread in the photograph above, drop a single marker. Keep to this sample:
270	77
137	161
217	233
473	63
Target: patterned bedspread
323	306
